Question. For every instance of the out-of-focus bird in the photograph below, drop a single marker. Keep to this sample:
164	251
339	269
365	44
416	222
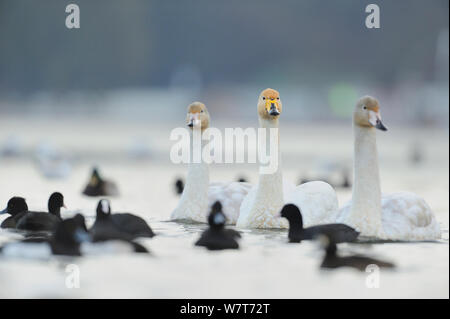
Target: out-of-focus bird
98	186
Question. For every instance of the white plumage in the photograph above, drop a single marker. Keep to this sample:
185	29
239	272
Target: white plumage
317	201
199	194
404	216
262	205
230	195
397	216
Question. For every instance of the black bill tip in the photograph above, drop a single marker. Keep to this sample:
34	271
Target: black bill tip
381	126
274	112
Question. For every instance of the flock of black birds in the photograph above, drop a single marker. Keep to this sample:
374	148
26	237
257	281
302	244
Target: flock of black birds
66	236
218	237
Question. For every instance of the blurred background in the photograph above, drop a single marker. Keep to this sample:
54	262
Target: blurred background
157	56
119	84
116	87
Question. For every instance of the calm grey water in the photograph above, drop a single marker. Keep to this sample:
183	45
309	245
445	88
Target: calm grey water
265	266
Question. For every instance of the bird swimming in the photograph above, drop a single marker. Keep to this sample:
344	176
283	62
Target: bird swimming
98	186
43	221
199	194
70	238
65	240
332	260
264	201
340	233
23	219
118	225
217	237
395	216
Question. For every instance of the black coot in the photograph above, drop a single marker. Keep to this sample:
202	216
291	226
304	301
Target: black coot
68	236
217	237
98	186
43	221
121	226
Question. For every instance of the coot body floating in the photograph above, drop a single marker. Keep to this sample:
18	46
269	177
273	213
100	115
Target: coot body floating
338	232
119	226
98	186
217	237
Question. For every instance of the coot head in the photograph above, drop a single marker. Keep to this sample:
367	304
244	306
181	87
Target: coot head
216	218
81	222
179	186
55	203
216	207
15	206
292	213
103	208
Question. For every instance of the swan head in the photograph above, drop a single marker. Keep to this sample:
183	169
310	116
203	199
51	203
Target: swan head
367	113
269	105
197	116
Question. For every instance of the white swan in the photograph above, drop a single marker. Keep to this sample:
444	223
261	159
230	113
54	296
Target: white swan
396	216
199	195
263	203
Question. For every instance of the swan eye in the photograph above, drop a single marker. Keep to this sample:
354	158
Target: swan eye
278	98
264	97
201	111
365	107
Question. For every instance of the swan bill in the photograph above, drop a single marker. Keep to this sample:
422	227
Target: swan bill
380	126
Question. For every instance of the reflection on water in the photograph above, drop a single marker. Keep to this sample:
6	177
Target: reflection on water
264	266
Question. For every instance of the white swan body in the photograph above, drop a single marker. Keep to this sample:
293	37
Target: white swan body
264	202
316	199
260	207
199	195
230	195
405	216
396	216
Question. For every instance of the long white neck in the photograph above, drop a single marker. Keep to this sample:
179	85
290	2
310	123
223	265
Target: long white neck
268	200
193	204
271	183
366	203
